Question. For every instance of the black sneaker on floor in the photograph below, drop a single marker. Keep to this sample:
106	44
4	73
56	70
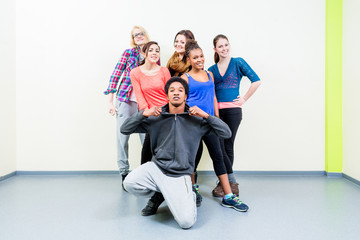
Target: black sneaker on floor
153	204
122	183
195	189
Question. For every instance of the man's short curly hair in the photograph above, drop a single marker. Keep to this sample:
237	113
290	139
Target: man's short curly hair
177	79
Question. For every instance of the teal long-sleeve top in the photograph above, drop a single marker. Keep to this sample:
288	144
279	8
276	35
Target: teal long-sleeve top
227	87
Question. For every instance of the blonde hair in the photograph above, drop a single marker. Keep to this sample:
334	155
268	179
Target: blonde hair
132	41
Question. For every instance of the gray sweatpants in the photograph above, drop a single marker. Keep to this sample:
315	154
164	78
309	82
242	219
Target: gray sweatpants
177	191
124	111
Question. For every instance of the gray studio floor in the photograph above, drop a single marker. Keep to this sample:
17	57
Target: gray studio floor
95	207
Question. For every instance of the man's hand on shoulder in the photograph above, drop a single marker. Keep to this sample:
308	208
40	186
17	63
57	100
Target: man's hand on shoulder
154	111
196	111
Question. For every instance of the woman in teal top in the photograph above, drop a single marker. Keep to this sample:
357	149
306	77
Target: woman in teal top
202	94
228	73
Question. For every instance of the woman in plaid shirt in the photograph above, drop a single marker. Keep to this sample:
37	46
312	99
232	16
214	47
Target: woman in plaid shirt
126	103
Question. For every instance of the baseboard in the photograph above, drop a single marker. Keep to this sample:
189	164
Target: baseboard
245	173
272	173
351	179
255	173
334	174
65	172
2	178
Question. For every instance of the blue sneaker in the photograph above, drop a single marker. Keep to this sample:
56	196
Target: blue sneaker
235	203
195	189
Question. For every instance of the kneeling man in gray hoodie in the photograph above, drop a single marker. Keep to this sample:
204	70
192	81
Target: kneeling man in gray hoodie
175	132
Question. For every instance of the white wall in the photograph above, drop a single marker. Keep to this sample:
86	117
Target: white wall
7	87
351	88
66	51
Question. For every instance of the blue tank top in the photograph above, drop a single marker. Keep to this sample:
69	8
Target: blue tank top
201	94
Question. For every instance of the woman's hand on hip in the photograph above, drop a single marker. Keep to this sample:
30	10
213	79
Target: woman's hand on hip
239	100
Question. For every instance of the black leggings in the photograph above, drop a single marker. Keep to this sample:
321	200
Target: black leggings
146	153
221	162
232	117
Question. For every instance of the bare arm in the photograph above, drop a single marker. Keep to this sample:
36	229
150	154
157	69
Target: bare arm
216	105
112	108
252	89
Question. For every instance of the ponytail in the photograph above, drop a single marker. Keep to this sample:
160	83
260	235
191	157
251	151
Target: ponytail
190	45
216	57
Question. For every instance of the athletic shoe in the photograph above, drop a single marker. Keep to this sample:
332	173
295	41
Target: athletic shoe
218	191
195	189
123	178
153	204
235	203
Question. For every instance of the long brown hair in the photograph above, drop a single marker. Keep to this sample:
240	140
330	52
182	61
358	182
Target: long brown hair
146	50
188	35
216	39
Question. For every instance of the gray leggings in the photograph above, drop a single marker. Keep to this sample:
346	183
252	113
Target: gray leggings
124	111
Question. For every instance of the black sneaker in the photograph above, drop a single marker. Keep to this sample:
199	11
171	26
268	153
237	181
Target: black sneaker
153	204
123	178
195	189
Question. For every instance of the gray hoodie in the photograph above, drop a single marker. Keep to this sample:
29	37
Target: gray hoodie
175	138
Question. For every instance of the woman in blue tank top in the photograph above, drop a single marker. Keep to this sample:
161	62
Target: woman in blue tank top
202	95
202	92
